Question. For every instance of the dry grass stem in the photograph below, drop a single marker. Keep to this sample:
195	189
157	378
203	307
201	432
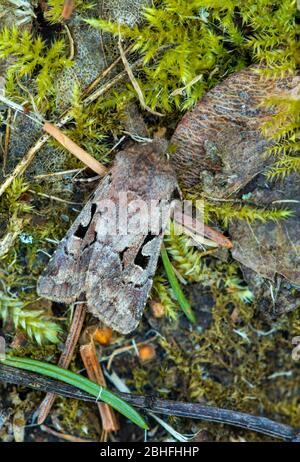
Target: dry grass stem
135	83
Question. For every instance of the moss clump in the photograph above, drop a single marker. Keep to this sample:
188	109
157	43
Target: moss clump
284	129
55	8
20	263
240	361
193	265
32	58
162	290
46	352
34	323
96	126
227	212
78	417
188	46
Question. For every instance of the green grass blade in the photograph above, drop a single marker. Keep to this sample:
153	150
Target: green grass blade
180	297
83	383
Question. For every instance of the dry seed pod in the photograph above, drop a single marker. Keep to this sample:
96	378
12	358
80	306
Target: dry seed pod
219	142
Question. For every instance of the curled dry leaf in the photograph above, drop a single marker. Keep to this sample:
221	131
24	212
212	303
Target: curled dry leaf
219	144
221	150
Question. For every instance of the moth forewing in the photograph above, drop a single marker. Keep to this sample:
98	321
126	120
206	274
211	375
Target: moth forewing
109	255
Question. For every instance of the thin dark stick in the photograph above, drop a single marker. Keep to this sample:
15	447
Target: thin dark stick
160	406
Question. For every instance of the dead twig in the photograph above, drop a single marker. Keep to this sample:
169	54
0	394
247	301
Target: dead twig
63	139
180	91
66	356
94	371
62	173
160	406
217	237
24	163
68	9
64	436
107	86
74	149
103	74
54	198
86	180
9	239
194	225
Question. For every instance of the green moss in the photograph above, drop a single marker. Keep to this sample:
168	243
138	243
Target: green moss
11	201
188	46
243	364
162	290
76	417
31	58
20	264
13	214
34	323
226	212
242	355
284	129
194	266
95	126
46	352
55	8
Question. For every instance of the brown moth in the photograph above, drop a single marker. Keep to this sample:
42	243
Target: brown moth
110	269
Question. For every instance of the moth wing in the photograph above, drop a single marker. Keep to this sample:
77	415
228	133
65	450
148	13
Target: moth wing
63	280
119	295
